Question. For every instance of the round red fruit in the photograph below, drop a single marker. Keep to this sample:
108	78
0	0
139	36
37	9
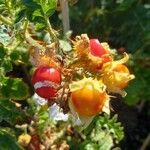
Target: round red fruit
46	81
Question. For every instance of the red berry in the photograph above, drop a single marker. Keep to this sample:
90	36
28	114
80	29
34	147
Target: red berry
96	48
46	81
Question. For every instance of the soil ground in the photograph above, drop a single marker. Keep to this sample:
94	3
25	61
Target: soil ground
136	123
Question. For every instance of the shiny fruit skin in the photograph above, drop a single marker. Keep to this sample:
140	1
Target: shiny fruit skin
97	49
51	76
88	101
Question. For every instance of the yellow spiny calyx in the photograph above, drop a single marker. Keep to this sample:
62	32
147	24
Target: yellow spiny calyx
115	75
81	45
98	85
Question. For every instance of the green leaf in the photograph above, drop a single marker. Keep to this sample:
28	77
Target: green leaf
49	7
3	52
10	113
14	55
13	89
88	145
7	65
40	8
98	140
30	7
23	54
7	141
5	61
102	133
112	126
37	13
39	26
20	15
133	92
43	119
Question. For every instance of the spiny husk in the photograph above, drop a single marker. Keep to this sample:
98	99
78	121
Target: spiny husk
113	79
81	45
98	85
108	67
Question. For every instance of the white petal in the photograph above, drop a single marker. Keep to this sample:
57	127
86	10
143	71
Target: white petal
77	119
39	100
56	113
106	108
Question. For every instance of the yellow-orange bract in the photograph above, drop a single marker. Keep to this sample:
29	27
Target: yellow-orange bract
89	99
116	75
122	69
81	45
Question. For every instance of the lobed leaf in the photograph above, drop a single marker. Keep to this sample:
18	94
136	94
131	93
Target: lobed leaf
102	132
40	8
10	113
13	89
7	141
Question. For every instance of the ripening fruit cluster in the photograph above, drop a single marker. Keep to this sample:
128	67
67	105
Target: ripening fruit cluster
88	96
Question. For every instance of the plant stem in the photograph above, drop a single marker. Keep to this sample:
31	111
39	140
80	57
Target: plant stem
34	43
65	15
51	32
29	39
25	26
5	20
146	143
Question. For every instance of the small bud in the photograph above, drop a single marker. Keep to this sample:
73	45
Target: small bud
24	139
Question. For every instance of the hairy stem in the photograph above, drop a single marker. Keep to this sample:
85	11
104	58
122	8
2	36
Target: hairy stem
52	33
5	20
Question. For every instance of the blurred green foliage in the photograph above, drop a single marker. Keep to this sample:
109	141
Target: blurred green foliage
8	140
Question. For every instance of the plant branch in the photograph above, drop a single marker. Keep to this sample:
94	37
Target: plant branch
33	42
51	31
146	143
65	15
25	26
